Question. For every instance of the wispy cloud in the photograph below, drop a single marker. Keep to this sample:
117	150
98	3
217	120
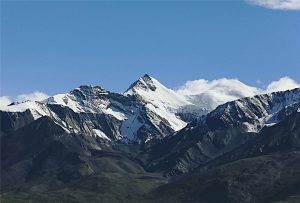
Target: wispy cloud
210	94
5	100
223	86
34	96
215	92
277	4
234	86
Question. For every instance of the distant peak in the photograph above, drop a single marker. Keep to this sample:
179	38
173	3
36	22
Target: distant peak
90	87
89	90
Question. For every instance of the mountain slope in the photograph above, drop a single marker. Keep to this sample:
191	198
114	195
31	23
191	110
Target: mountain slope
94	145
40	162
60	167
222	130
267	178
265	169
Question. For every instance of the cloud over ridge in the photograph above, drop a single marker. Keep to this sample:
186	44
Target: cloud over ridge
34	96
5	100
193	87
210	94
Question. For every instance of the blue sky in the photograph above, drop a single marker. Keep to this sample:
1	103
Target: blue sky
55	46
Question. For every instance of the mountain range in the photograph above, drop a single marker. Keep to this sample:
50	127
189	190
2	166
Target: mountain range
153	144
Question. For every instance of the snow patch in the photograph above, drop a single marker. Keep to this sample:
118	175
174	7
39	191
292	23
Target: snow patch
118	115
37	109
101	134
130	127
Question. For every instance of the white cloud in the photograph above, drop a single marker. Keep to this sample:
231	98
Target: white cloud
282	84
222	85
194	87
34	96
210	94
4	101
277	4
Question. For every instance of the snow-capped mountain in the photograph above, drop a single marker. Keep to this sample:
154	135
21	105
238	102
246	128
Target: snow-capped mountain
145	111
227	127
254	112
163	101
84	137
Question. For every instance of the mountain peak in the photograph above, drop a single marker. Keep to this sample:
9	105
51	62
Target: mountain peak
146	78
145	83
89	90
90	87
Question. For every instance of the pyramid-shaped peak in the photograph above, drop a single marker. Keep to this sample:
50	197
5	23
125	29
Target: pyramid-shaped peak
148	80
146	77
146	83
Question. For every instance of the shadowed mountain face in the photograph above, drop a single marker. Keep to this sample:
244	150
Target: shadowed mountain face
266	178
265	169
150	144
220	131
